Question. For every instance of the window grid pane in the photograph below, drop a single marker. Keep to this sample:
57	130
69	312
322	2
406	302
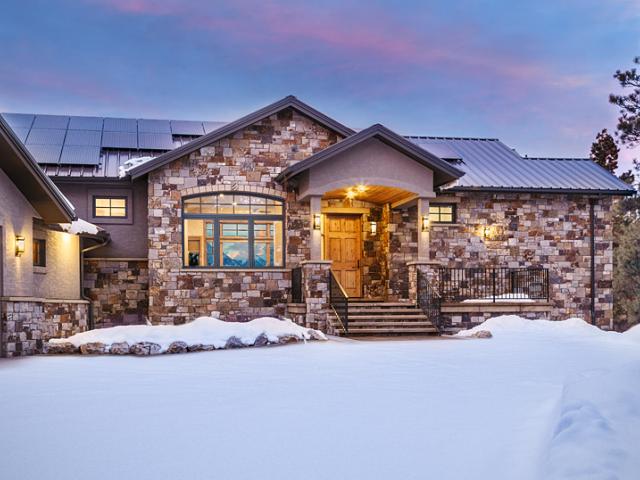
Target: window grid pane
110	207
441	213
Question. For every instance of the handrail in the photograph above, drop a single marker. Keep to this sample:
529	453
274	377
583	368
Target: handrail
339	301
429	301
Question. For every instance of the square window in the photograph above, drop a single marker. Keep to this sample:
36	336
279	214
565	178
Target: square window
442	213
110	207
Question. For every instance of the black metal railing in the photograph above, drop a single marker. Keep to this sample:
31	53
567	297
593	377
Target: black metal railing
493	284
339	301
297	293
429	301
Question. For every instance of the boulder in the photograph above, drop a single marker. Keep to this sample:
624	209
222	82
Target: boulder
482	334
177	347
65	348
288	339
234	342
316	334
93	348
145	348
119	348
261	341
199	347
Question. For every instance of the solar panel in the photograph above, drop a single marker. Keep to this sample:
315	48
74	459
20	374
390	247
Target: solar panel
18	120
51	121
46	136
83	137
21	133
120	125
211	126
80	155
155	141
85	123
154	126
119	139
185	127
45	153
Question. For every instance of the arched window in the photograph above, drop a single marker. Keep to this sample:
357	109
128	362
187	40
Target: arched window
233	230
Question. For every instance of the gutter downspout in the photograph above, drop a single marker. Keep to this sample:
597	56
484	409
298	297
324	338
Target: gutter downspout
592	241
90	320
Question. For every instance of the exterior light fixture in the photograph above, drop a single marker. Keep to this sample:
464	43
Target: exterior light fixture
425	223
351	194
374	228
361	188
20	245
486	231
317	221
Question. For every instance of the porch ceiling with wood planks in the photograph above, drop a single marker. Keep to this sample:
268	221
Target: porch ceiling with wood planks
371	193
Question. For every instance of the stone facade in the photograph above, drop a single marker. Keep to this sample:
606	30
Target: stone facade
119	291
315	278
247	161
523	230
26	324
403	248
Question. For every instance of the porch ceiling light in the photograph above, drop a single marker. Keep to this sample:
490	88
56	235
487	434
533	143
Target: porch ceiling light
361	188
317	221
20	245
351	194
425	223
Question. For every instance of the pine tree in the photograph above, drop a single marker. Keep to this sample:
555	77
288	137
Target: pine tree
604	151
629	104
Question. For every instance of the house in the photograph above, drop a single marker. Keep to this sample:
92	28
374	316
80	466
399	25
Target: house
40	290
288	212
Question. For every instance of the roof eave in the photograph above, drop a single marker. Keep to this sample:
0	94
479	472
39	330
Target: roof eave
230	128
37	187
571	191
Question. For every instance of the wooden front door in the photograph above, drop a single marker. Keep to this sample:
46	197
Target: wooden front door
343	245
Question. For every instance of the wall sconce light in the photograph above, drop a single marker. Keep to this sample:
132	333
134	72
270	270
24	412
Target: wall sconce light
374	228
20	245
425	223
317	221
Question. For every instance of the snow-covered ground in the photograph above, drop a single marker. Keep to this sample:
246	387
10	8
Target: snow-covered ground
537	401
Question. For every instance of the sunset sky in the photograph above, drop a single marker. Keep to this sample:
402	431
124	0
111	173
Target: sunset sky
534	74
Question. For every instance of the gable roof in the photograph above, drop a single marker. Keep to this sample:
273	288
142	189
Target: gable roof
18	164
490	165
230	128
443	172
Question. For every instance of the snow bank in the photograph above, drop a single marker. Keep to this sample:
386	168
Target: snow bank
202	331
123	170
79	226
513	324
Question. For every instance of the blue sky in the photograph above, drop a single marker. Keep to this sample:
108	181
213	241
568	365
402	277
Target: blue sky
535	74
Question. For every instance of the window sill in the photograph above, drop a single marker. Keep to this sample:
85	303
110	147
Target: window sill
39	270
232	270
441	225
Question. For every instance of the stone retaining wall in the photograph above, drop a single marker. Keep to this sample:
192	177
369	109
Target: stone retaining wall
26	324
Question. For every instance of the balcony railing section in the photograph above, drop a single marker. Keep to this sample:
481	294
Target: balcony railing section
493	284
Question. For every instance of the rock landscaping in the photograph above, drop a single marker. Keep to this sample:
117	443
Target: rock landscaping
203	334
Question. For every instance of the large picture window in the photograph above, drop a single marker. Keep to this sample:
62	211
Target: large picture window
229	230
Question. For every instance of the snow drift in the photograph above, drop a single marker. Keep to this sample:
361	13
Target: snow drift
202	331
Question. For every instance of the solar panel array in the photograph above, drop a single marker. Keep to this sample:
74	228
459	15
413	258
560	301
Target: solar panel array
77	140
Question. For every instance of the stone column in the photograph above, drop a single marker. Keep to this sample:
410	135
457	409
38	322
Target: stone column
423	236
315	282
316	235
428	268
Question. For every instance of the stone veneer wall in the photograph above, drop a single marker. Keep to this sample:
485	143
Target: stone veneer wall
249	160
403	248
551	231
119	291
26	324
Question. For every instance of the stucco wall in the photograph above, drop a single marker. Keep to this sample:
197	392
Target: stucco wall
16	218
370	163
60	279
128	239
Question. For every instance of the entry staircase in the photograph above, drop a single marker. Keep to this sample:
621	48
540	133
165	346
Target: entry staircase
378	317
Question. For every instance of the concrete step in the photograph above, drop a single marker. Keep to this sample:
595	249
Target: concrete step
353	304
386	311
393	318
392	331
390	324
